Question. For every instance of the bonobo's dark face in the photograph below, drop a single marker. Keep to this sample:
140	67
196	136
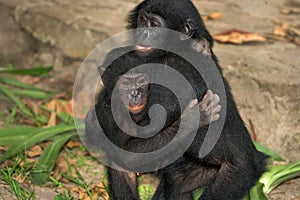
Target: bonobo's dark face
133	89
150	33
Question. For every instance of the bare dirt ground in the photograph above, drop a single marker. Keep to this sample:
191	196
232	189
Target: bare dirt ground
264	76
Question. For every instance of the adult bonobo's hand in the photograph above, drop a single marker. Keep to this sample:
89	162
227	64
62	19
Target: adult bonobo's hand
209	109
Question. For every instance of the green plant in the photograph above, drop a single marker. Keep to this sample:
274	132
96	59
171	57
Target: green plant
21	138
145	191
20	192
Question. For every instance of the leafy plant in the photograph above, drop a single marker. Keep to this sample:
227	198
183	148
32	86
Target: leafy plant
19	191
145	191
20	138
274	176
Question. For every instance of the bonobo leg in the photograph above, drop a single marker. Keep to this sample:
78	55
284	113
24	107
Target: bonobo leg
123	185
232	182
183	177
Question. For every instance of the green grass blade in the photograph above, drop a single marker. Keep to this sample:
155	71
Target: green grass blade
268	152
35	94
34	138
8	136
197	193
32	71
257	193
267	176
18	131
25	110
6	175
65	117
14	82
289	172
48	158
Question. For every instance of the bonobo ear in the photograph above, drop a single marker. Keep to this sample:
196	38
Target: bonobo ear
101	70
189	28
103	75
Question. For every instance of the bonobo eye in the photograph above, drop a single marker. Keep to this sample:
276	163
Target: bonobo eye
141	81
154	23
125	83
186	29
142	19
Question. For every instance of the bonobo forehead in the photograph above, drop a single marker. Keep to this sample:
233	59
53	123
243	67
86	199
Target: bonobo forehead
172	9
134	75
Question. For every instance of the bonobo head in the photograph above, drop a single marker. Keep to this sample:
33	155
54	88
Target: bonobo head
178	15
148	35
133	89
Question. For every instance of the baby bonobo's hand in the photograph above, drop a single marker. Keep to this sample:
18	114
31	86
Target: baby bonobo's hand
209	108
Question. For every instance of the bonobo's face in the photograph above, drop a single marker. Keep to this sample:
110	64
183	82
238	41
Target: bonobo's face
149	34
133	89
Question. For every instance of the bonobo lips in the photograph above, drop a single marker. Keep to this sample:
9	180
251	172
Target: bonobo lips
136	108
140	48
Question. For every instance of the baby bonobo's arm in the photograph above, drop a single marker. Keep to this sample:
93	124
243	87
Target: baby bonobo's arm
208	106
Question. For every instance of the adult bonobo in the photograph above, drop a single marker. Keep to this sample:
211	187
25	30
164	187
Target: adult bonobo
234	165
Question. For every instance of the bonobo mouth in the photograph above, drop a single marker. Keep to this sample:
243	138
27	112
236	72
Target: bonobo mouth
135	109
144	49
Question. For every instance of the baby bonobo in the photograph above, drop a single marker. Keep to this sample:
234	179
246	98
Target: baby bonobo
133	94
133	89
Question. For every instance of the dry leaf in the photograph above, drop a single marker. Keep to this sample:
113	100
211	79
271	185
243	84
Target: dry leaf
20	178
213	16
57	106
52	104
62	166
31	122
286	32
95	189
73	144
34	151
67	108
238	37
288	11
100	189
4	148
32	104
52	119
31	80
281	30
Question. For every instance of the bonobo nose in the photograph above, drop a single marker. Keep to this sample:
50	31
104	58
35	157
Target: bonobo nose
146	33
134	93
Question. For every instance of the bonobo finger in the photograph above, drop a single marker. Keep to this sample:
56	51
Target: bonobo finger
216	109
189	107
207	97
215	117
214	103
192	103
215	99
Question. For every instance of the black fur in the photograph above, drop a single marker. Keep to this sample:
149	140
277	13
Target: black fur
229	170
